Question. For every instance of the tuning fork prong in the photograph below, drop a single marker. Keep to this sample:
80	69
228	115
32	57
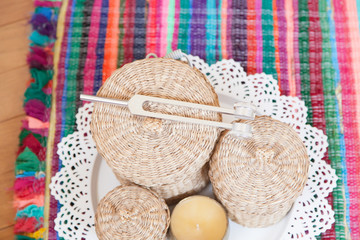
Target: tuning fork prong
136	107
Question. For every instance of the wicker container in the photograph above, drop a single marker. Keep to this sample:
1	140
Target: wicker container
189	186
258	179
131	213
168	157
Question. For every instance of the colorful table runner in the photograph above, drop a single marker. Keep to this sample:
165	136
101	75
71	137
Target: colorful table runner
312	47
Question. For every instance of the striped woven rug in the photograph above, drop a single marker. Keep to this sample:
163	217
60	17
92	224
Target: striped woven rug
312	47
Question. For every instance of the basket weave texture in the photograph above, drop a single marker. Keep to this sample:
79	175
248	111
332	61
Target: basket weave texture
131	213
258	179
168	157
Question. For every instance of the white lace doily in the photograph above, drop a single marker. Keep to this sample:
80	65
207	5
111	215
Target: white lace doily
311	213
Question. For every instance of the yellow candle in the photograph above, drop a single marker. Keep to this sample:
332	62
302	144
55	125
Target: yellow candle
198	218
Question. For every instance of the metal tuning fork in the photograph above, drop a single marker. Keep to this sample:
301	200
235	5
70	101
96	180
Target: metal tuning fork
136	106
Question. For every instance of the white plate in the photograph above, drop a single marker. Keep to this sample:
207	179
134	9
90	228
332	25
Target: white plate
104	180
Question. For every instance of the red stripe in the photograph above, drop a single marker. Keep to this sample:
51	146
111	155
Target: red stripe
112	38
349	113
251	37
316	86
151	28
129	21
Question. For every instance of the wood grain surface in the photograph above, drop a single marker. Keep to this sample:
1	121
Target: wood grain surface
14	74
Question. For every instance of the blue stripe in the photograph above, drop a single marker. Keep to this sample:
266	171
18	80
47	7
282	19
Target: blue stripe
139	48
211	32
63	98
189	28
100	46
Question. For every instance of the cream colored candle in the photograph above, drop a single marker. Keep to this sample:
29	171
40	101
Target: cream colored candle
198	218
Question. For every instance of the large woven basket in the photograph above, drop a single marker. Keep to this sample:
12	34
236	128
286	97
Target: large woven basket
168	157
131	213
258	179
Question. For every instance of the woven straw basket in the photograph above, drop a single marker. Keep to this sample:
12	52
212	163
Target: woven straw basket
131	213
168	157
258	179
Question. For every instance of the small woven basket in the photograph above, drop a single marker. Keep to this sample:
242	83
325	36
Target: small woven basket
168	157
131	213
258	179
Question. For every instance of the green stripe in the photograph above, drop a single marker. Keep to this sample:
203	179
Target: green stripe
71	95
171	23
304	56
120	59
184	20
267	22
331	122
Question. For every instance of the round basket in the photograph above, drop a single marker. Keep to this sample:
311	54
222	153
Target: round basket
258	179
131	213
168	157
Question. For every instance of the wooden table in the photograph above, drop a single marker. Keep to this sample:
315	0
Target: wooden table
14	74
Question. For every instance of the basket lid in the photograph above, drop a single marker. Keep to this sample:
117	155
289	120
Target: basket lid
131	212
148	151
257	176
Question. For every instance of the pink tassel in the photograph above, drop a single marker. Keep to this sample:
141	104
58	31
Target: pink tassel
40	58
40	3
37	200
27	225
34	123
47	90
35	108
42	131
28	187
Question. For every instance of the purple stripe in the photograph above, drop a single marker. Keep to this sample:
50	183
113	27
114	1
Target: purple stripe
198	29
239	32
282	47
